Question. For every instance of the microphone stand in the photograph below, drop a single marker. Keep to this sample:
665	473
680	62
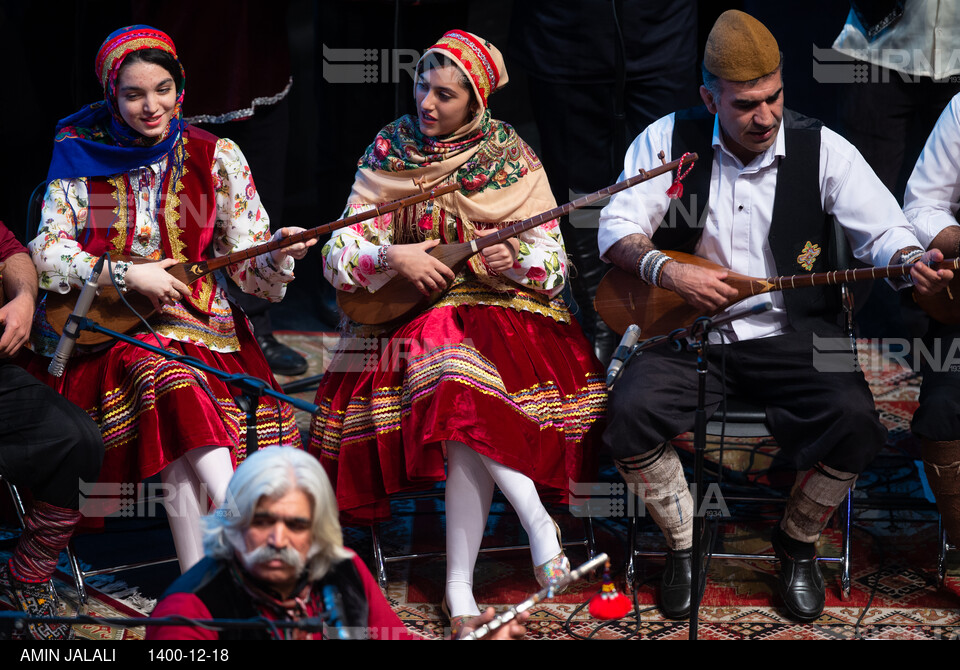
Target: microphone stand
697	336
251	388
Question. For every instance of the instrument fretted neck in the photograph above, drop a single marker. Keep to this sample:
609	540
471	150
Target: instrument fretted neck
585	201
624	299
109	307
196	270
399	298
860	274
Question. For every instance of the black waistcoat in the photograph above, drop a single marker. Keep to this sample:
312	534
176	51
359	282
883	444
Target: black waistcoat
799	223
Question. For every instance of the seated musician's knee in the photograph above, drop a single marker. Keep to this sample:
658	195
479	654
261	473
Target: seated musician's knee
938	417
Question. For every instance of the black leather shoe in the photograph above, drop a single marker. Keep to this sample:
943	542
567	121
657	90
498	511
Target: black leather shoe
282	359
677	577
675	584
801	583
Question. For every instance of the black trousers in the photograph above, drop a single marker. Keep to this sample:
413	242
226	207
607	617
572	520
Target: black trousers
938	417
815	413
47	444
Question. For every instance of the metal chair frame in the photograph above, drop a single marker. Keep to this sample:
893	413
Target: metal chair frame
381	560
75	570
943	547
740	423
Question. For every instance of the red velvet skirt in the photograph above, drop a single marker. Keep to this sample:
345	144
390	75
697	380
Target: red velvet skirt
516	386
152	410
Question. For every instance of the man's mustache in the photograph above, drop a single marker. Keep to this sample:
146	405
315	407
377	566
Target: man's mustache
266	553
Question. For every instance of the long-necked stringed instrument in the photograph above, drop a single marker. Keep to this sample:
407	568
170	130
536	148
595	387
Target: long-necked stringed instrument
109	309
399	298
623	298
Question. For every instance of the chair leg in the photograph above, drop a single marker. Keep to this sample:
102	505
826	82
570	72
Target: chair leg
847	533
17	502
77	572
378	561
630	572
71	556
589	537
942	553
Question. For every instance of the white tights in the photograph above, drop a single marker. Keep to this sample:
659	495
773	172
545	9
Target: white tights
188	482
469	492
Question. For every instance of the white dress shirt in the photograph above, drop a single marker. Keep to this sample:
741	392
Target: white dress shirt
925	41
741	207
933	192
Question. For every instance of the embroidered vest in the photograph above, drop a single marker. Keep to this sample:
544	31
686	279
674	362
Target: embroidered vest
799	223
186	213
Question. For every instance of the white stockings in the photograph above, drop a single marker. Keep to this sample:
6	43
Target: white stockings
189	482
469	492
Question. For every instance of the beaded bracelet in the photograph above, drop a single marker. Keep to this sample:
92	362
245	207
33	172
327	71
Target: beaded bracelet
650	266
658	271
382	263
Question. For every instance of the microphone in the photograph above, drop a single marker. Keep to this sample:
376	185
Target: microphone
334	627
71	330
627	343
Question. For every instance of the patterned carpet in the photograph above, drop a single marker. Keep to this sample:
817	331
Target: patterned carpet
108	598
894	596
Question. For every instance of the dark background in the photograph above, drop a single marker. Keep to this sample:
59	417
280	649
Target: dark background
48	49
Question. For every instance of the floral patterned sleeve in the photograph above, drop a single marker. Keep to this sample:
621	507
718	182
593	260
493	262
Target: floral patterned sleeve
541	262
350	258
242	222
61	262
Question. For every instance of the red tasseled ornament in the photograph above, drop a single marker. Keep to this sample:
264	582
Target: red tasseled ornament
609	603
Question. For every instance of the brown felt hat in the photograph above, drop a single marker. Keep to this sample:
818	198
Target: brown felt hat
740	48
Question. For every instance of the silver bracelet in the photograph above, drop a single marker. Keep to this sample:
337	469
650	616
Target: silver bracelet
908	257
120	275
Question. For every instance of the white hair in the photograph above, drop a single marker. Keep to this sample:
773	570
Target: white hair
271	473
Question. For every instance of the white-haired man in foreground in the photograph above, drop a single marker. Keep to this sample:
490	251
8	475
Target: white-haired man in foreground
274	550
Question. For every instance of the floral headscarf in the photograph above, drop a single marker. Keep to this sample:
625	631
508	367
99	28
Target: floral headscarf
96	141
500	177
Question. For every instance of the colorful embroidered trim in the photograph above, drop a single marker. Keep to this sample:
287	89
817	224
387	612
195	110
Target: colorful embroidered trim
475	59
366	418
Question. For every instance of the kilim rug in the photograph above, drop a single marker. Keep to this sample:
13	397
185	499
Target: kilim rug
123	604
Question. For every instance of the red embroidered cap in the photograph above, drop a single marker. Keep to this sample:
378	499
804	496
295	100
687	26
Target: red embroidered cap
479	59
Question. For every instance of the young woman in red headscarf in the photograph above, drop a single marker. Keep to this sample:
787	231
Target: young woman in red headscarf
496	375
129	177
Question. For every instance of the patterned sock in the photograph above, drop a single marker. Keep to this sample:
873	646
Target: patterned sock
657	478
47	529
941	462
815	496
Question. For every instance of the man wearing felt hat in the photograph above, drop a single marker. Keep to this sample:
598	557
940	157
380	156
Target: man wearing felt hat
760	202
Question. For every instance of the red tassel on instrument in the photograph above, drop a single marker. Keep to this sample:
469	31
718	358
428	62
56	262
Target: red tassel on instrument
676	188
